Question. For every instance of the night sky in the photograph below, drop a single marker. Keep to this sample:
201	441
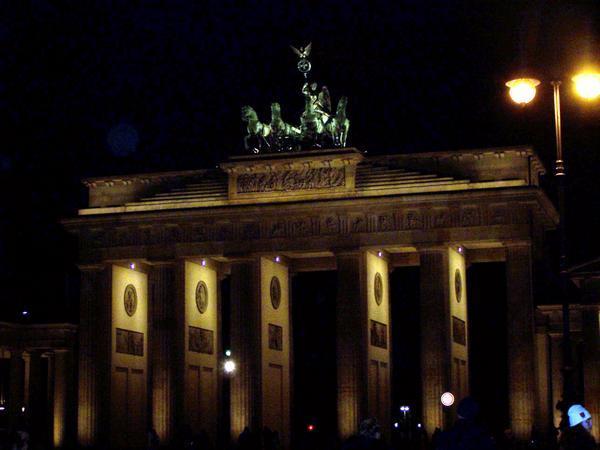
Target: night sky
99	88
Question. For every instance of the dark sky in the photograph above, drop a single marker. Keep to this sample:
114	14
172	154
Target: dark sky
95	88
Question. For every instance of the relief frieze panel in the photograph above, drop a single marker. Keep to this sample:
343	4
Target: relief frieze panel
386	222
327	224
413	220
291	180
441	218
330	224
358	224
470	216
498	214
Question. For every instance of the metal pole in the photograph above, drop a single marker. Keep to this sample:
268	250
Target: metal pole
560	174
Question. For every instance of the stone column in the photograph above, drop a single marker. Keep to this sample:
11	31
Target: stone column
435	335
63	385
94	356
351	343
591	366
163	296
543	420
50	380
35	404
246	347
17	376
521	339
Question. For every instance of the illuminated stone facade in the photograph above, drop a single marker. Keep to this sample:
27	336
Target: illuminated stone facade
260	219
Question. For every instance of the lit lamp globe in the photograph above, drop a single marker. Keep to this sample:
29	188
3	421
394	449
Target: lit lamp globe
447	399
229	366
522	90
587	85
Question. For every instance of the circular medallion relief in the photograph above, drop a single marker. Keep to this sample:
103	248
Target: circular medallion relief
458	285
201	297
378	288
130	300
275	289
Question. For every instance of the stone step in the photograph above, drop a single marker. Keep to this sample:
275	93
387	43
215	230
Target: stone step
177	200
216	190
449	182
391	178
385	183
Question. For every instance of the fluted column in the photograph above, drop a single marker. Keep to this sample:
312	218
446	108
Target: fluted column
17	379
521	339
63	369
94	356
162	351
245	345
435	351
35	404
351	342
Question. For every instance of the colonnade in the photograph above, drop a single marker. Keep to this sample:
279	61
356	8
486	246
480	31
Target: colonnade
41	382
179	318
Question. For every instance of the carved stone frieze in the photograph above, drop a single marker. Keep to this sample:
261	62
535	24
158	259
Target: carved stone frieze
297	226
413	220
330	224
470	216
291	180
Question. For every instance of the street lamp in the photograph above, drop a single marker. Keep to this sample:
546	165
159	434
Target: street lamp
522	91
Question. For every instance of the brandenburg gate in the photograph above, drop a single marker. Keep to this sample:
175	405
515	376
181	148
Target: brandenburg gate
155	247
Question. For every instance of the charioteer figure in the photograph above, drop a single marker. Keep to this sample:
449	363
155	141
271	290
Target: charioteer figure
319	127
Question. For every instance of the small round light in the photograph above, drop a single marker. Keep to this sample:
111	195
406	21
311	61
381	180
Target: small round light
522	90
203	262
460	249
587	85
380	253
227	352
2	408
396	424
419	425
132	266
447	399
25	313
229	366
22	409
310	427
277	259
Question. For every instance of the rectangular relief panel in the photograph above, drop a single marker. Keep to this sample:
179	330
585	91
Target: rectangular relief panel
378	333
275	337
459	331
130	342
201	340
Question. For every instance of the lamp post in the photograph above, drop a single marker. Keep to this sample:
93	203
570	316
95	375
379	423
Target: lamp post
522	91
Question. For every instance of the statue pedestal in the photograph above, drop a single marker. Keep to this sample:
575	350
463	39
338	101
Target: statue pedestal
299	175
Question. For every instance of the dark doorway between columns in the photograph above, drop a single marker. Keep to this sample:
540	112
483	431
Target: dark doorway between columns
486	297
314	400
224	423
406	344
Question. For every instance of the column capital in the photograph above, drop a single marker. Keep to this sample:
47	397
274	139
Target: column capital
156	263
517	244
348	251
434	248
91	267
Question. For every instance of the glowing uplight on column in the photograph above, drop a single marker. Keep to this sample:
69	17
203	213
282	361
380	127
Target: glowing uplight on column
447	399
